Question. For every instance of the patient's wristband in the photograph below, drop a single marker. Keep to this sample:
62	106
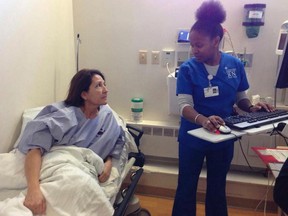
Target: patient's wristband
196	117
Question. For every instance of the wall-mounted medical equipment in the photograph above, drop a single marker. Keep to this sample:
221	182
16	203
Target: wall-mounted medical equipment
183	36
182	56
282	38
173	107
282	70
168	57
253	18
245	58
282	81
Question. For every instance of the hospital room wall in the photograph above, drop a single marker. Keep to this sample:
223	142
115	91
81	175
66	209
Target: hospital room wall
37	58
112	33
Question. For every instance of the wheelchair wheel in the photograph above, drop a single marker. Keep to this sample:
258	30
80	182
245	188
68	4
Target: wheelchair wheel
140	212
143	212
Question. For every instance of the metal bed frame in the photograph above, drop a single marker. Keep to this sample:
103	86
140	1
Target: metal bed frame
125	196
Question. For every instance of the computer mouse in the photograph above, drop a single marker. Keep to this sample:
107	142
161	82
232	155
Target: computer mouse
223	129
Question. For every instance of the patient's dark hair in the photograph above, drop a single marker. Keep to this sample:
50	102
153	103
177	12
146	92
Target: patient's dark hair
79	83
209	17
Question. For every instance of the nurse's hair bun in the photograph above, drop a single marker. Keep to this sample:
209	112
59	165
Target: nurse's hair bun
211	11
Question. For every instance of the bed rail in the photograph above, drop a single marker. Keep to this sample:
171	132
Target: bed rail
127	193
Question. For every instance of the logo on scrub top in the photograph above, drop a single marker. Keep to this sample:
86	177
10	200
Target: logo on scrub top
231	73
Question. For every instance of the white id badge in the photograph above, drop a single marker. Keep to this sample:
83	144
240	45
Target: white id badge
211	91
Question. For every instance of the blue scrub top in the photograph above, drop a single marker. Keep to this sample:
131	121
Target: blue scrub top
193	78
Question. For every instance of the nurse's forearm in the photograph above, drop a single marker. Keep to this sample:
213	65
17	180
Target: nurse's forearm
245	105
193	116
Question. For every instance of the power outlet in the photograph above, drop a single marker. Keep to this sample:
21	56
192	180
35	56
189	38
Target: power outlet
246	59
168	58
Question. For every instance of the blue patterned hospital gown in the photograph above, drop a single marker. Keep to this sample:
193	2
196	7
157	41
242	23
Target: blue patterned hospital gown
58	124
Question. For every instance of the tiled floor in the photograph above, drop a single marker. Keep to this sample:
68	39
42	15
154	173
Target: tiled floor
244	189
159	206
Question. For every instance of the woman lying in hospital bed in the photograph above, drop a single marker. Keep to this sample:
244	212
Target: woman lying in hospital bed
58	150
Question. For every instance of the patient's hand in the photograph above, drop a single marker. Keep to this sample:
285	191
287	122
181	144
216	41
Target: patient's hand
104	176
35	201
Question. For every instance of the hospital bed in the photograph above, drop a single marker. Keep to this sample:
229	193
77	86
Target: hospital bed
122	201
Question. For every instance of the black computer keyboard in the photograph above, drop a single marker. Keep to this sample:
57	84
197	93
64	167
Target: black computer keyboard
257	119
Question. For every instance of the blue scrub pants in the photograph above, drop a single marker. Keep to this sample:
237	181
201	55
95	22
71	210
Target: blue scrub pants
190	164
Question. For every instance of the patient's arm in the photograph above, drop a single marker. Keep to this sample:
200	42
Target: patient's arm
107	170
34	199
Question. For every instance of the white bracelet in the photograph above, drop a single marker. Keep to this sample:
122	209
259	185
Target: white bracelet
196	117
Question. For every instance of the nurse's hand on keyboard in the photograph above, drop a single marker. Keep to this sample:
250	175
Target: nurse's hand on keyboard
262	107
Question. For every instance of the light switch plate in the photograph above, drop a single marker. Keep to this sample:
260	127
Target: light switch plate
155	57
142	56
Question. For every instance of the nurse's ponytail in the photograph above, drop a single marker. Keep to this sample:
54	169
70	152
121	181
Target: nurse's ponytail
209	17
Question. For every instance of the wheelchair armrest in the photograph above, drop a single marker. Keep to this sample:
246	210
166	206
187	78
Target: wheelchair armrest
136	133
139	156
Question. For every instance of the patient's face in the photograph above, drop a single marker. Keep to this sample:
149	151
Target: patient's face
97	93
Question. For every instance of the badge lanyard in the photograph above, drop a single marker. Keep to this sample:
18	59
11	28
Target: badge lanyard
211	91
210	77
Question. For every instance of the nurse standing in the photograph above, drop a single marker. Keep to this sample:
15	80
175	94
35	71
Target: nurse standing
208	85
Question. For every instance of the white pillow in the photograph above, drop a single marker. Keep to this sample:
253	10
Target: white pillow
28	115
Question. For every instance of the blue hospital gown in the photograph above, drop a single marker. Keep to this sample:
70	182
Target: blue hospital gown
58	124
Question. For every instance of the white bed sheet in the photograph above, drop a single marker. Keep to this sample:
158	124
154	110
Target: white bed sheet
13	187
